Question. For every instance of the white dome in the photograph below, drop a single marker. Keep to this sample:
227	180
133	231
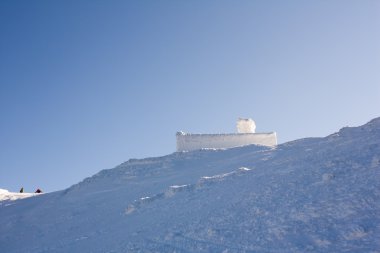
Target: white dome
245	126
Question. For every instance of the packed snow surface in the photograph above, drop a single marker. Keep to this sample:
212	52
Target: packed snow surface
309	195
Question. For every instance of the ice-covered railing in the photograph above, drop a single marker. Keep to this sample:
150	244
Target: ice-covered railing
245	136
189	142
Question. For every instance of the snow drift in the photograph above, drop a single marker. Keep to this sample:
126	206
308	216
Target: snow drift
309	195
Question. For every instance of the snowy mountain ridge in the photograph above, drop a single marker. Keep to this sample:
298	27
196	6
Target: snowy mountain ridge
308	195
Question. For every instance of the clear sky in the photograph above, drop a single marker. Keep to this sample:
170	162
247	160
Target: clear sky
86	85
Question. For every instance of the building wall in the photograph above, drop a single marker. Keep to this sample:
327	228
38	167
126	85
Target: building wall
188	142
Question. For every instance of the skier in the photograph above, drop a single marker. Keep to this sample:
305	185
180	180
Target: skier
38	191
22	190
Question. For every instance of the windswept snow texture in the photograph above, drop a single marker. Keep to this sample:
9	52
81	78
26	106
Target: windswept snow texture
310	195
6	196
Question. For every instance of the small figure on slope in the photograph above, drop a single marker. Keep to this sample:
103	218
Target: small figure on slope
22	190
38	191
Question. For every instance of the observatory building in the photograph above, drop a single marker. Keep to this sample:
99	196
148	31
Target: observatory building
246	135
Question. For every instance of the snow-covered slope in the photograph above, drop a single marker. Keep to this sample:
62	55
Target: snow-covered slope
309	195
5	195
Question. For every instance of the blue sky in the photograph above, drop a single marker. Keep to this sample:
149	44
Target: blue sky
86	85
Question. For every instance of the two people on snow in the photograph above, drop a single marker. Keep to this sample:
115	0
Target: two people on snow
37	191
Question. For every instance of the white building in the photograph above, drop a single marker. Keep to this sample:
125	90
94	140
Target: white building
245	136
